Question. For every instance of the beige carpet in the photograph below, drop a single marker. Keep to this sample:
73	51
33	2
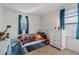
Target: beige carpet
48	50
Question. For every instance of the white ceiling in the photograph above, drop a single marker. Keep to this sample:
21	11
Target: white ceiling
33	8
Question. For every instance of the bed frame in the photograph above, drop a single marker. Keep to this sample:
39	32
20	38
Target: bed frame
32	43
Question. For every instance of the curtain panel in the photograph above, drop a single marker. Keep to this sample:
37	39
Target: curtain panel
27	25
20	24
62	15
77	33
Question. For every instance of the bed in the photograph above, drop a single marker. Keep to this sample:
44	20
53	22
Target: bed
17	46
34	44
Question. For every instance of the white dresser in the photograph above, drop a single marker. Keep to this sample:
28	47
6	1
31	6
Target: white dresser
55	38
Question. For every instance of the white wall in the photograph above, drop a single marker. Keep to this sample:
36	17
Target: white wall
49	20
34	23
10	17
0	17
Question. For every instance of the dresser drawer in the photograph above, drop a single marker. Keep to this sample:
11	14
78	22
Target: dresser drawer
56	39
55	43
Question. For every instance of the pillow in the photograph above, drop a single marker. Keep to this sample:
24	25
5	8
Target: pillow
38	37
19	37
23	39
42	34
32	38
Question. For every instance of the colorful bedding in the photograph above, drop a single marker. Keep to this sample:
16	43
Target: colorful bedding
25	44
31	38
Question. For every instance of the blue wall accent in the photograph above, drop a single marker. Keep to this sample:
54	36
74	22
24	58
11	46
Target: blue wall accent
77	33
27	25
62	14
19	24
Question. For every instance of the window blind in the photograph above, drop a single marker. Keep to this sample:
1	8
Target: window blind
71	19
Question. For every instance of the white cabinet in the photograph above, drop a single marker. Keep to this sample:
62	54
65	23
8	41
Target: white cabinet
55	38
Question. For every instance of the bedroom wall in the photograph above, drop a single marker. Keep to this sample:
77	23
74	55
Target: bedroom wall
0	17
48	21
10	17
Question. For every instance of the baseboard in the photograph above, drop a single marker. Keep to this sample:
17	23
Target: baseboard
55	47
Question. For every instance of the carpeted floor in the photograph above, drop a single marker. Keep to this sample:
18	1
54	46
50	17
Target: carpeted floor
48	50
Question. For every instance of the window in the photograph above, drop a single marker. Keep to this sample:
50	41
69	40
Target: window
71	23
23	25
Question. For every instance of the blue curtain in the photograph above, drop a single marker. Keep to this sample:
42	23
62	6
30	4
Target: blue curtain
20	24
62	14
27	25
77	33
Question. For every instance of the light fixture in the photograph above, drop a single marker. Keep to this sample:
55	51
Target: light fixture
8	26
57	26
